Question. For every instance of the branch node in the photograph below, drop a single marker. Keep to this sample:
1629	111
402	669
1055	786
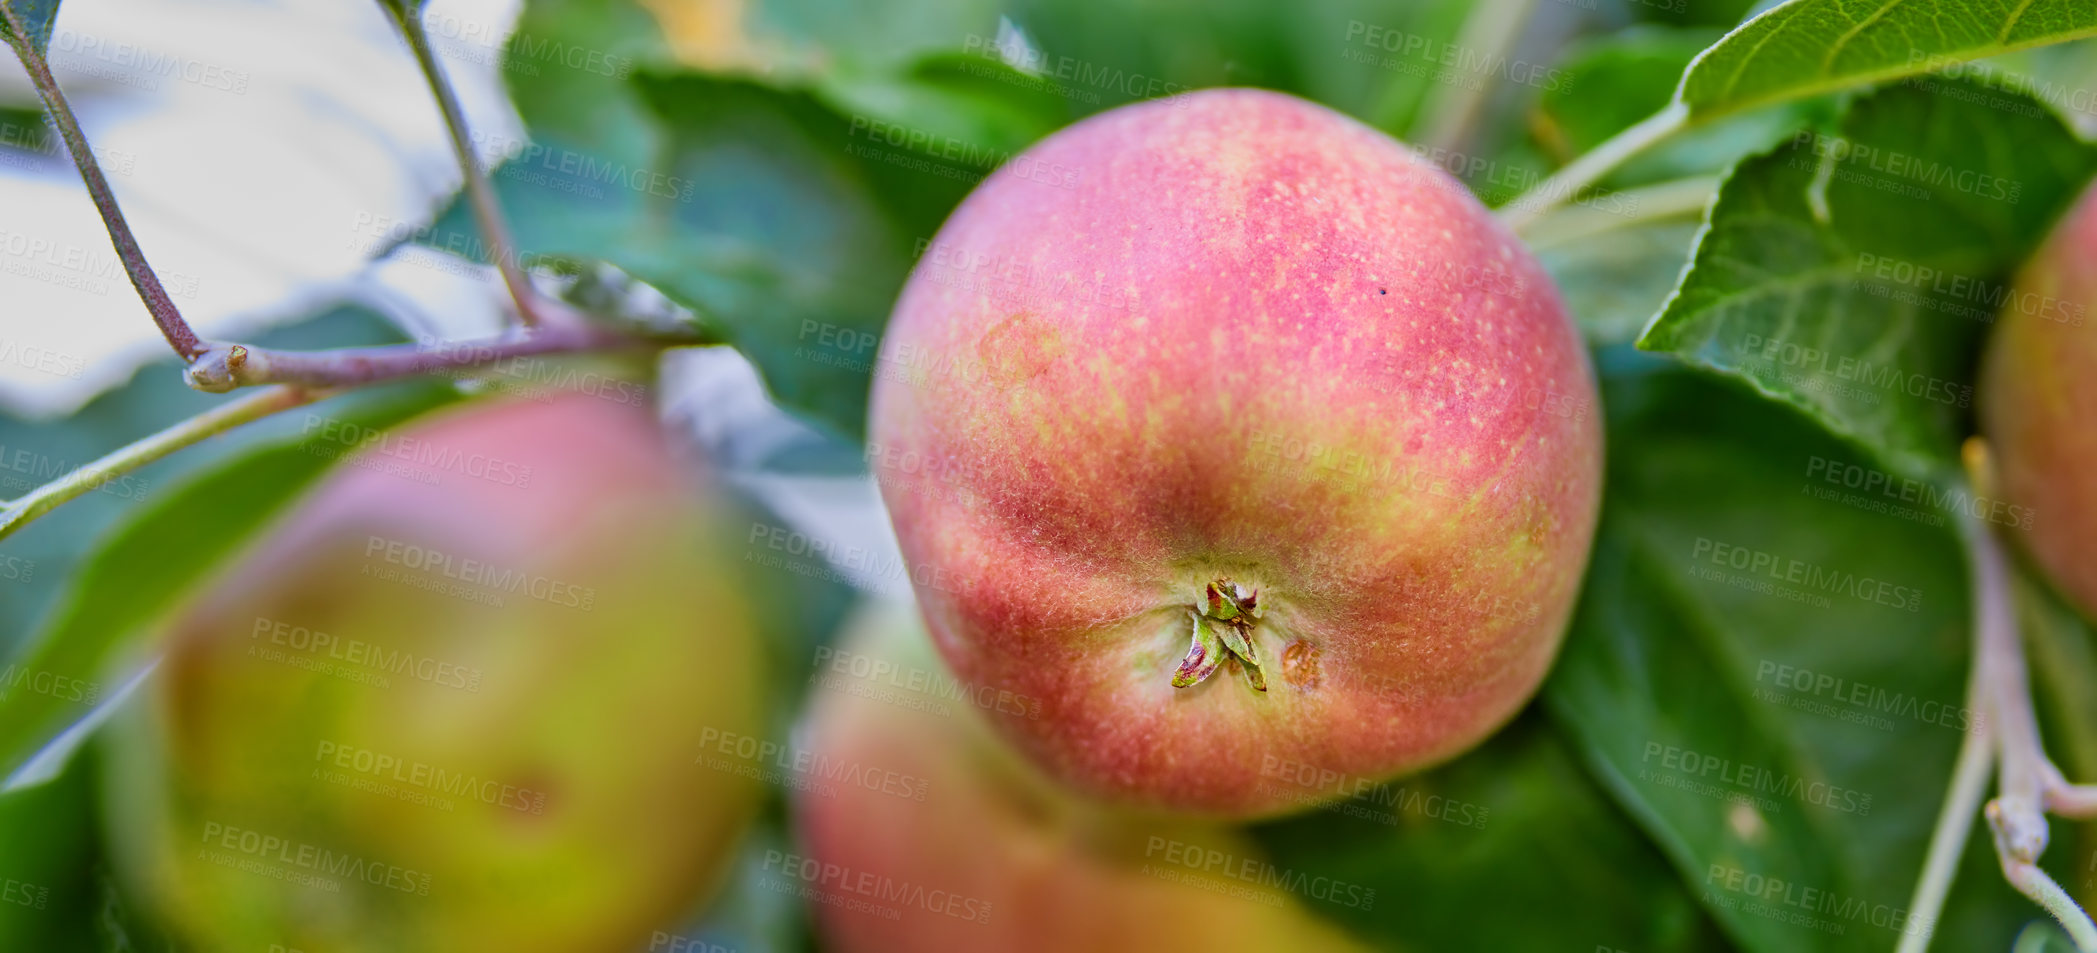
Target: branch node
2019	827
217	370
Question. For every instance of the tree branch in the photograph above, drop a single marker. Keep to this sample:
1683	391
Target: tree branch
172	326
2027	781
487	212
228	366
43	499
1969	783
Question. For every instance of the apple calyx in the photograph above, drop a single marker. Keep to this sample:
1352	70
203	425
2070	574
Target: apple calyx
1223	633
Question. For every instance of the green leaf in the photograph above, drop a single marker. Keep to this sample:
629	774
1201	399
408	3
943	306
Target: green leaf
788	218
34	560
36	17
89	646
1511	847
57	891
1807	47
1620	79
775	230
1381	62
1854	275
406	11
870	39
968	97
2063	76
47	855
1767	668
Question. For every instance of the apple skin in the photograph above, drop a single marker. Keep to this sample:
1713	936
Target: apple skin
1016	863
576	716
2038	396
1255	340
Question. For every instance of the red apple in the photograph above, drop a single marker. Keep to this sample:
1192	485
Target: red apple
934	836
1262	440
2038	397
454	703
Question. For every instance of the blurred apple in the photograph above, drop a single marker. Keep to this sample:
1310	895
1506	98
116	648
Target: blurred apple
453	703
929	834
2038	392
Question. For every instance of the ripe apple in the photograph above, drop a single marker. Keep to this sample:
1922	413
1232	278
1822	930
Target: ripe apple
935	836
2038	396
454	703
1261	440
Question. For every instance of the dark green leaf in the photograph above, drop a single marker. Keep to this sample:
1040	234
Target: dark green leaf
1768	667
35	560
1511	847
1854	276
751	212
2063	76
47	852
1381	62
1620	79
23	129
966	97
57	891
786	217
89	647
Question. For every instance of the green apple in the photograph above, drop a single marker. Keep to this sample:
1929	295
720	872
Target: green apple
452	703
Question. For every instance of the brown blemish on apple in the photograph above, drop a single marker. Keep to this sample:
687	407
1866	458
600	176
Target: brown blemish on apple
1301	666
1020	347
